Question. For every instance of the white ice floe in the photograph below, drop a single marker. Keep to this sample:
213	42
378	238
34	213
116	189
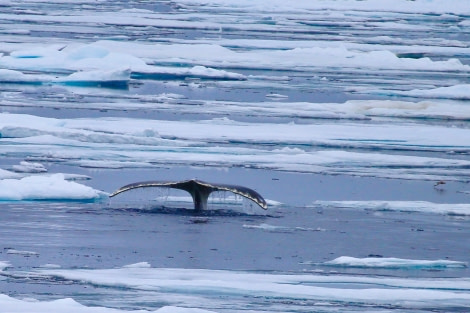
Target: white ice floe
126	142
85	78
50	265
394	263
206	287
29	167
21	252
440	110
400	206
352	110
12	76
53	187
4	174
205	72
93	63
138	265
404	6
276	96
127	130
298	58
104	60
12	305
457	92
280	229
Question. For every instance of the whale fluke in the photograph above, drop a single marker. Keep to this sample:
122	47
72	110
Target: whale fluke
199	191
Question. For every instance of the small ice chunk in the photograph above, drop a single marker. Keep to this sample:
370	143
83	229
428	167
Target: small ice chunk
138	265
29	167
394	263
49	265
276	96
21	252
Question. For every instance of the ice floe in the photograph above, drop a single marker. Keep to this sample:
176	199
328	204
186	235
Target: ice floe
29	167
83	78
12	76
4	174
457	92
419	6
52	187
9	304
21	252
394	263
93	64
206	286
298	58
280	229
318	148
112	61
401	206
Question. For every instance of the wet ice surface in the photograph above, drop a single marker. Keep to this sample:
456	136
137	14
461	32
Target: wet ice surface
347	116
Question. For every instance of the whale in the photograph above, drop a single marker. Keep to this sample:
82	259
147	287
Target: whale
199	191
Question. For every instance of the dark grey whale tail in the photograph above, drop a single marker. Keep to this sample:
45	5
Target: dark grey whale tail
199	191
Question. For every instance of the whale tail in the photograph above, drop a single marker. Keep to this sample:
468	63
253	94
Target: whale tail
199	191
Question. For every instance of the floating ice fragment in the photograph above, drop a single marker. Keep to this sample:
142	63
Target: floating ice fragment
280	229
276	96
343	289
21	252
138	265
337	7
394	263
12	305
457	92
268	227
203	71
50	265
29	167
174	309
53	187
401	206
